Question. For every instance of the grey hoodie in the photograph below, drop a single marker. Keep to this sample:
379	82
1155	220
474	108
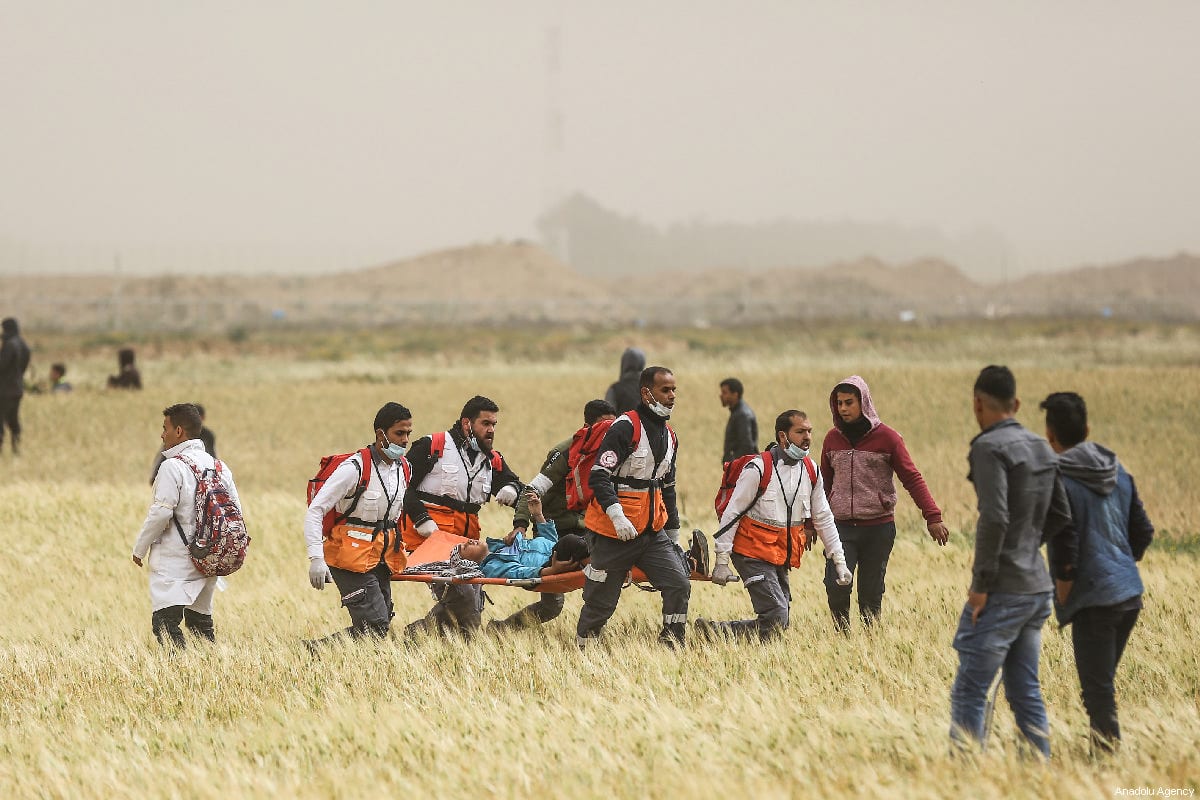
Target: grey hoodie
1093	465
625	394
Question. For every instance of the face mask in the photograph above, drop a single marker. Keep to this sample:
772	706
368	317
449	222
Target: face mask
795	452
394	451
658	408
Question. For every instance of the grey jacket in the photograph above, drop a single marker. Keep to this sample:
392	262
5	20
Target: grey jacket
741	432
1022	503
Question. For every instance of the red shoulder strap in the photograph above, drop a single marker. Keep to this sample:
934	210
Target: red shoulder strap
365	477
768	470
637	427
407	467
812	471
437	444
497	461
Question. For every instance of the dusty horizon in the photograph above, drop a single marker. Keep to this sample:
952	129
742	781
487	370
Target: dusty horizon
164	138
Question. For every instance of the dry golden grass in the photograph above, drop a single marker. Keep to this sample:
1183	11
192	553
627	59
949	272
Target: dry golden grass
90	707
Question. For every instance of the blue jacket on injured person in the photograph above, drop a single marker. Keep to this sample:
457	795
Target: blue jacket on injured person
522	559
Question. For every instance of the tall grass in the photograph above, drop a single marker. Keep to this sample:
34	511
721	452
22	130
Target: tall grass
91	707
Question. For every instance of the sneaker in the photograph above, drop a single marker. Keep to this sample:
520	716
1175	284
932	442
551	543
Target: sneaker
698	553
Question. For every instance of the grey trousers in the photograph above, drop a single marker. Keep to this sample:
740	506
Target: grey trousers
458	607
770	596
656	555
367	596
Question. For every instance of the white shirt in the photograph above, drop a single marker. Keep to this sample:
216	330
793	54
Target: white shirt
383	498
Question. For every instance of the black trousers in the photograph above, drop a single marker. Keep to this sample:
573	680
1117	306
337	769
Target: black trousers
165	623
10	418
367	596
1099	636
867	548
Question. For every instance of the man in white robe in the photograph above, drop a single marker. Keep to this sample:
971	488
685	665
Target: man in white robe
178	592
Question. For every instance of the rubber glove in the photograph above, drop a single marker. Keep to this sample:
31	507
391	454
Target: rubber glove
318	573
507	496
721	573
621	524
427	527
843	575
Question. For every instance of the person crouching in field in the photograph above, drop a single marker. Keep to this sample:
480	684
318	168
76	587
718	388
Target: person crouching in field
356	554
1099	590
178	592
1022	503
859	456
766	532
520	558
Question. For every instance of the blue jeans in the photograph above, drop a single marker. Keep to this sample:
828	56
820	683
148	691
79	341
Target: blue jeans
1007	637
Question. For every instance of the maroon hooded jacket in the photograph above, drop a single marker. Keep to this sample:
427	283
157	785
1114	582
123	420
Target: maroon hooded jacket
858	478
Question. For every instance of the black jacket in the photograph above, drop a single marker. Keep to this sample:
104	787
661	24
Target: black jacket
741	432
14	360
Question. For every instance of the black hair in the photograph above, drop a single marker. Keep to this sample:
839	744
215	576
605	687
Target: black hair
389	415
571	547
650	375
186	416
783	423
200	408
125	357
59	367
997	383
1066	416
733	385
476	406
847	388
595	409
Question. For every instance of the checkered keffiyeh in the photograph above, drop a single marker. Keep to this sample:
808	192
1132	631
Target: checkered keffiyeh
456	567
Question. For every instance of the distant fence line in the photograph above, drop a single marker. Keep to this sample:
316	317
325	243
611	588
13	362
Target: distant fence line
175	314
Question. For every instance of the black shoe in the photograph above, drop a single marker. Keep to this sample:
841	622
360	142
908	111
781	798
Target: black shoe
698	553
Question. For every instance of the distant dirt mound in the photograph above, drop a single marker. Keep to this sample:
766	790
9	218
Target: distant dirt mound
520	283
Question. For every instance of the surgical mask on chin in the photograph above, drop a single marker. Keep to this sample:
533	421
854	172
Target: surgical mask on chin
794	452
659	408
394	451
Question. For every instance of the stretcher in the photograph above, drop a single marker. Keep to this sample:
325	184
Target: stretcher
439	544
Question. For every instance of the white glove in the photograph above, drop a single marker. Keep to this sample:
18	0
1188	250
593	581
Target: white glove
427	527
318	573
843	574
672	534
541	484
507	496
721	573
621	524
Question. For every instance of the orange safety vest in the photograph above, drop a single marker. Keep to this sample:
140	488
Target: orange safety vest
758	538
638	482
451	515
358	545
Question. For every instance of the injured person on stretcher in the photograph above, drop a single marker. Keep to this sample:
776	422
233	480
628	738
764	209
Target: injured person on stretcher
459	605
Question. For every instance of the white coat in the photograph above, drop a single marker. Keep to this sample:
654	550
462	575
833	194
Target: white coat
174	579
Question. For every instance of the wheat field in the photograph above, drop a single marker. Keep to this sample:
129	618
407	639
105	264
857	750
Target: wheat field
92	707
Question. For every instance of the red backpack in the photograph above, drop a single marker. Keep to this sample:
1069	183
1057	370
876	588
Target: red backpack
326	468
582	457
733	471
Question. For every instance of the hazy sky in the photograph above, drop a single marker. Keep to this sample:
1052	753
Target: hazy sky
386	128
